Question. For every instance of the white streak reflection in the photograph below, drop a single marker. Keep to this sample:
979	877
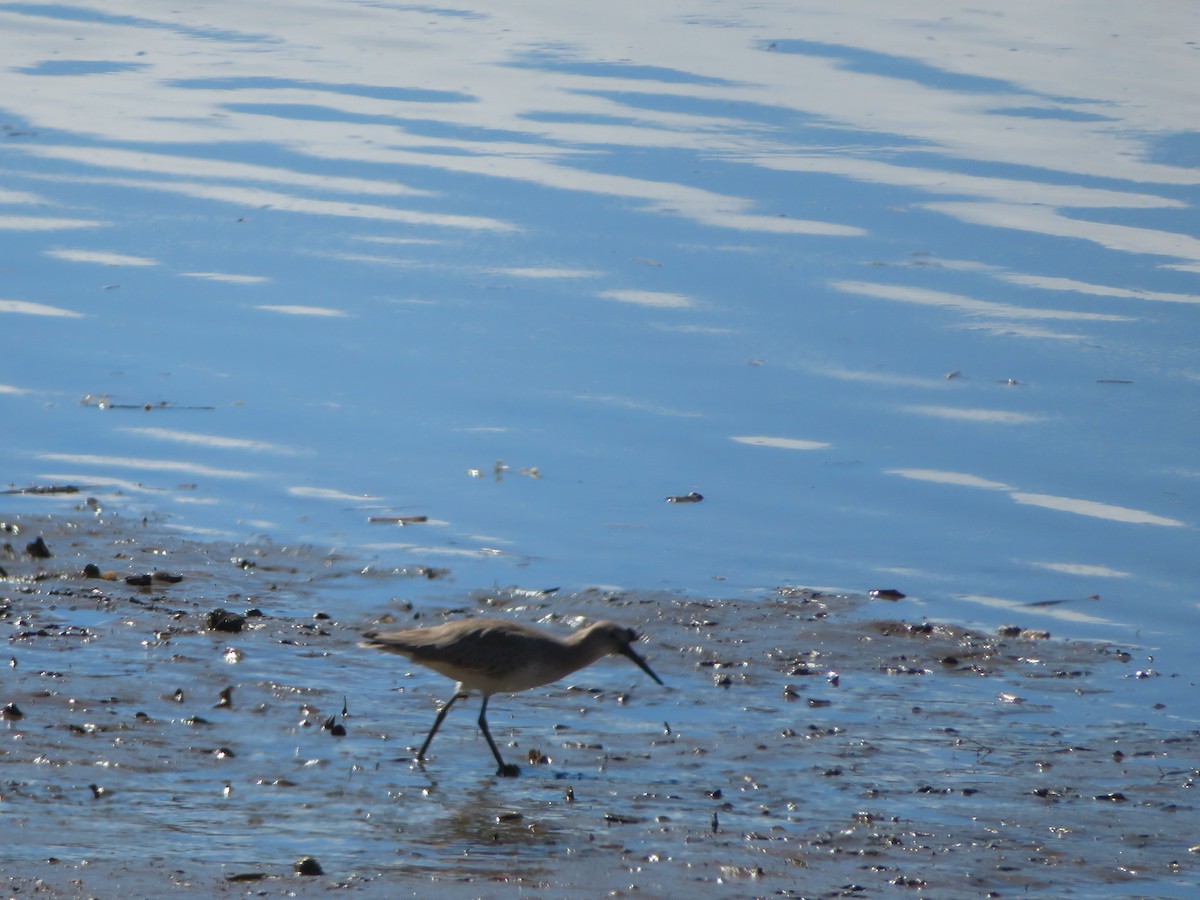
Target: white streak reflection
192	167
315	493
213	441
306	311
884	378
45	223
943	181
548	273
988	416
261	198
658	299
1049	283
928	297
24	307
102	257
227	278
150	465
20	198
1046	221
961	479
1053	612
782	443
1083	570
1093	509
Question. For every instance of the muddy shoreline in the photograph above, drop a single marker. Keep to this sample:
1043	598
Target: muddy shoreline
807	744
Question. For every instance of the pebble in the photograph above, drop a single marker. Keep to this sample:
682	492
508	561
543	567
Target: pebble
38	549
224	620
306	865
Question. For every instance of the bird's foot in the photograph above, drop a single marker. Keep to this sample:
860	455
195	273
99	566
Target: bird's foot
508	770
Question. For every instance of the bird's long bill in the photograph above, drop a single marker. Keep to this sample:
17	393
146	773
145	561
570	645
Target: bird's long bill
642	664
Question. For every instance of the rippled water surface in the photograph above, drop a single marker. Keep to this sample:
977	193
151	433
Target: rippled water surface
908	293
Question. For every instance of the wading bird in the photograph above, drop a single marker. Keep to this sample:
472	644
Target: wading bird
495	656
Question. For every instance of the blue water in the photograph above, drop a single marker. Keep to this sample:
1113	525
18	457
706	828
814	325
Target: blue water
353	258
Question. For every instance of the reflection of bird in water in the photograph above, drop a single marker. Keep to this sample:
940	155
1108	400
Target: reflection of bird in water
494	656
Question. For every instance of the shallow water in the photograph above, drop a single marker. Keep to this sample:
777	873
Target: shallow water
805	742
916	279
908	296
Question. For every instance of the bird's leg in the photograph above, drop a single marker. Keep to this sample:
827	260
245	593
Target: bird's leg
437	723
506	770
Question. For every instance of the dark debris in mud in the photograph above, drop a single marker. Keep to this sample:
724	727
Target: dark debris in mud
809	743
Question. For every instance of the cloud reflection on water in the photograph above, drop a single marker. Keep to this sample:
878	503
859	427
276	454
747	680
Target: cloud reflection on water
317	311
987	416
957	302
657	299
46	223
26	308
742	194
212	441
101	257
149	465
1092	508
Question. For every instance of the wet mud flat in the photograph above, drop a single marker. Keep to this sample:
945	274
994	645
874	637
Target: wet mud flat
191	718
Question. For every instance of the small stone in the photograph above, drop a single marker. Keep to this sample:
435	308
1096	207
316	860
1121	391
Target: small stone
91	570
306	865
38	549
224	620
